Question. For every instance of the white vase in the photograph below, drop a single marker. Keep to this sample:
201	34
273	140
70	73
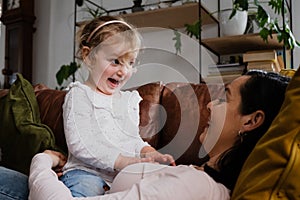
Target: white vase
234	26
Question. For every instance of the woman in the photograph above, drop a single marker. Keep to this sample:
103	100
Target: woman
252	102
248	115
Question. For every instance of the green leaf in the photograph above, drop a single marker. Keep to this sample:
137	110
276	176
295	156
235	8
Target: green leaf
66	71
276	5
262	16
95	12
241	4
193	30
264	34
232	13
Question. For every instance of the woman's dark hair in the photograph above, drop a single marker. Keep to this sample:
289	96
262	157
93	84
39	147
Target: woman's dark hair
262	91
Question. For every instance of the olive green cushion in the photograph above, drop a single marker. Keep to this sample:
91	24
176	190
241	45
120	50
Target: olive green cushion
272	171
21	133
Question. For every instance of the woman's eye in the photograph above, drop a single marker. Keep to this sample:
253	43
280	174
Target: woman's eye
221	100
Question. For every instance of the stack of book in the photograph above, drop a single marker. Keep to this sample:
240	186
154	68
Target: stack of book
265	60
227	71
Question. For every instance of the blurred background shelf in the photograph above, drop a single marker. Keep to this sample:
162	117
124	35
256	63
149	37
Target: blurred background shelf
240	44
170	17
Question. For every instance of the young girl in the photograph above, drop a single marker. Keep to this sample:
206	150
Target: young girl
100	121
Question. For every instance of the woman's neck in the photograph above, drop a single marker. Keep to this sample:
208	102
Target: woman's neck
213	159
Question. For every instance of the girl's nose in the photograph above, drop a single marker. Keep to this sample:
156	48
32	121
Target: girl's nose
123	70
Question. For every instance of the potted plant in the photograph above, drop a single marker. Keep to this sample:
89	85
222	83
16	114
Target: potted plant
266	23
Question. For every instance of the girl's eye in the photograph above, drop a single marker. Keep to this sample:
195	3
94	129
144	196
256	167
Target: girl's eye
132	63
115	62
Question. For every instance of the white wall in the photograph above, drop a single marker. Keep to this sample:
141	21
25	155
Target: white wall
53	39
159	62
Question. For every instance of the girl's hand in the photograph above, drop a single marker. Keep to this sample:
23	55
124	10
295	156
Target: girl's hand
123	161
58	161
150	152
161	158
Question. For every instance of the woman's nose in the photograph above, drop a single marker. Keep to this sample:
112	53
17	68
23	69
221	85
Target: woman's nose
209	105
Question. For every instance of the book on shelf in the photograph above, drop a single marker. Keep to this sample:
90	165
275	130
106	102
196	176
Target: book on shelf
221	79
262	55
225	69
280	58
269	60
272	66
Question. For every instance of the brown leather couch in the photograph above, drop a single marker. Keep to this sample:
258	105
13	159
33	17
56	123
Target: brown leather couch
172	116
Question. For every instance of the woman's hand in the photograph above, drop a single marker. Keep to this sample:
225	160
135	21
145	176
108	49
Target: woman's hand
58	161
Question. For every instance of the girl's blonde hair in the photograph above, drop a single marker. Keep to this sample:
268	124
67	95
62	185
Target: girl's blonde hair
93	33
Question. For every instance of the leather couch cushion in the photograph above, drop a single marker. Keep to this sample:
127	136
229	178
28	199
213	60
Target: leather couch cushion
50	104
187	116
150	109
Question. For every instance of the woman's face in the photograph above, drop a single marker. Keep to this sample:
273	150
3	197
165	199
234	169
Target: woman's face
225	120
109	72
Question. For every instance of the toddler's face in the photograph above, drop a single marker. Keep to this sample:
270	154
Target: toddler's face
113	67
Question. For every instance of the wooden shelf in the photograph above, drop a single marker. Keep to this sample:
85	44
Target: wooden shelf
240	44
171	17
206	18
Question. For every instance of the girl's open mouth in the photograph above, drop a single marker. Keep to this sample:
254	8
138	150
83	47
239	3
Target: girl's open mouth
114	82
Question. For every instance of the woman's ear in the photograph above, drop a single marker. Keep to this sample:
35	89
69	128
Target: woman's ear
253	120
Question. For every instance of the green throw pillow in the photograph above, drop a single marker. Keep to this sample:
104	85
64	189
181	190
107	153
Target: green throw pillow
22	134
272	170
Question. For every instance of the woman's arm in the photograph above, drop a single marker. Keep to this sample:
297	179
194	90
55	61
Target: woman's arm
155	182
44	183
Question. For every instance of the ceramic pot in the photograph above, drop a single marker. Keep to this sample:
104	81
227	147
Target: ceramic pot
234	26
